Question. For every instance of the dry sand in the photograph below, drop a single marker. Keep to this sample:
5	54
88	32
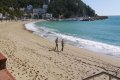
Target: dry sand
29	58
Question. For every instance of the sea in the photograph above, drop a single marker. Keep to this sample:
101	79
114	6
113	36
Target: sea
101	36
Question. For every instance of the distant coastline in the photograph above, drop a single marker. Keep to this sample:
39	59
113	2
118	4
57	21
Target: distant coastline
81	18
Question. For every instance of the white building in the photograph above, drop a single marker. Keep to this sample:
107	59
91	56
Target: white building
47	16
38	12
45	7
1	15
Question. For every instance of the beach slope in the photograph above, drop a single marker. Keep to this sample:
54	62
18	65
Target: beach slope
30	57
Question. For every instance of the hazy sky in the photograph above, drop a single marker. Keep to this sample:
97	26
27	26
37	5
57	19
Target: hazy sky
104	7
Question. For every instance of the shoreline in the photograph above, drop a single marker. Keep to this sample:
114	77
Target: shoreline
93	53
97	47
29	57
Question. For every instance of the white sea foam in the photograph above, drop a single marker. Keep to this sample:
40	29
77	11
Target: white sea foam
30	26
82	43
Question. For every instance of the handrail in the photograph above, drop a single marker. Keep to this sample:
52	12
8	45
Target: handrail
101	73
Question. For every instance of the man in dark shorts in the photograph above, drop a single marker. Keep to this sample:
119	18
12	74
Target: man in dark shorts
56	42
62	44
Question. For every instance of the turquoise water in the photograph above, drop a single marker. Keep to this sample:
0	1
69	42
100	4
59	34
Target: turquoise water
99	36
106	31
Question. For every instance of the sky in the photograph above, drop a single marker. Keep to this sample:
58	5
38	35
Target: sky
104	7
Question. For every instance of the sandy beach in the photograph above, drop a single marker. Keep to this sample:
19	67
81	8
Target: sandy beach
29	58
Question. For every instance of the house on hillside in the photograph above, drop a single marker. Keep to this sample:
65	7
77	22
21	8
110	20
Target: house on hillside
38	12
27	12
45	7
29	9
47	16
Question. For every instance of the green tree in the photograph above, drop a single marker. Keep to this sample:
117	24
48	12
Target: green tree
70	8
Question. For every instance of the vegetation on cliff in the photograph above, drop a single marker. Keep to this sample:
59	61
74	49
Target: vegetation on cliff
70	8
66	8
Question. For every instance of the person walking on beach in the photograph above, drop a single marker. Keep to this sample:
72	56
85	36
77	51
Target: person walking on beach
56	42
62	44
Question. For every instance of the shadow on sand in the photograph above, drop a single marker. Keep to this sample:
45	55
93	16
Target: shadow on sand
54	50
